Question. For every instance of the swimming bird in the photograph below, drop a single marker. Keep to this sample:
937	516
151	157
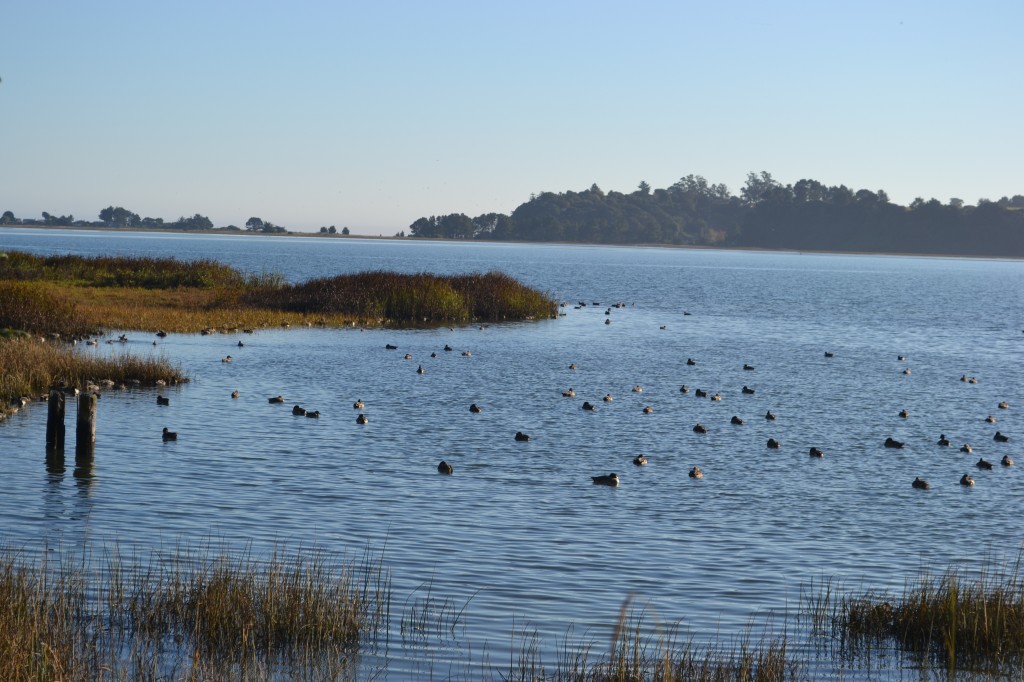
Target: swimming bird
769	416
829	354
906	371
572	365
608	320
521	437
448	348
815	452
1004	405
700	428
1006	461
684	389
313	414
475	409
227	359
691	362
241	345
648	409
984	464
358	405
736	420
901	357
773	444
904	413
361	419
748	391
444	468
276	399
408	356
161	333
571	393
638	389
1000	438
588	406
607	397
701	393
966	448
388	346
966	480
963	378
893	443
420	370
169	435
298	411
990	419
717	396
920	484
608	479
748	367
972	380
639	460
160	400
943	441
433	355
695	472
466	354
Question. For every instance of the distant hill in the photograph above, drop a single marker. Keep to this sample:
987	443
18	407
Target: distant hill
806	216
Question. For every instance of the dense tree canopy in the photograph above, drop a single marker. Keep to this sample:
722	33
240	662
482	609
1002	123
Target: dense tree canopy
807	215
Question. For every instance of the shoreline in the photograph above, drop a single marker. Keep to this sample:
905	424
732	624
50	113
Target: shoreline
436	240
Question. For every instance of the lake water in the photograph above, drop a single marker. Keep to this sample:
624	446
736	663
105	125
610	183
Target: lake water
519	531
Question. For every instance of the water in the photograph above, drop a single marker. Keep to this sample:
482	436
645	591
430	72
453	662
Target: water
519	532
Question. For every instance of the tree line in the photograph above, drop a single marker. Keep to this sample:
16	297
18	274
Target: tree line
806	215
118	216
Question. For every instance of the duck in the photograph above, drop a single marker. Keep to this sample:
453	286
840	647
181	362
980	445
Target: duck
906	371
444	468
160	400
748	367
433	355
169	435
972	380
1006	461
966	447
235	394
990	419
227	358
276	399
571	393
639	460
701	393
420	370
943	441
695	472
466	354
700	428
717	397
1004	405
361	419
684	389
241	345
963	378
388	346
313	414
747	390
984	464
769	415
904	413
691	362
572	365
475	409
607	479
901	358
829	354
773	444
298	411
588	406
638	389
736	420
608	320
966	480
1000	438
408	356
521	437
893	443
358	405
162	334
920	484
648	409
815	452
607	397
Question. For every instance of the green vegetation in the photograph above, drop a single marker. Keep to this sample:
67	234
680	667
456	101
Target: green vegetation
806	215
110	271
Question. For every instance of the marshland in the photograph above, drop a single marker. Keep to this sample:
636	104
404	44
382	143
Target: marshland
516	563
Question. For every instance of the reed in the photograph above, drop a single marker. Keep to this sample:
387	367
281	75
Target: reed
40	310
30	365
119	271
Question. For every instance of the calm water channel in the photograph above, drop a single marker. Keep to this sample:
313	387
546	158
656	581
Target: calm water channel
519	532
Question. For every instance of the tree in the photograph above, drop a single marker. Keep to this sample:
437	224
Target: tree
643	187
254	224
8	219
119	217
332	230
323	230
345	231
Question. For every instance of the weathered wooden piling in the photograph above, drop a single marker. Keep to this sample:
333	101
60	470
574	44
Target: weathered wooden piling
85	431
55	420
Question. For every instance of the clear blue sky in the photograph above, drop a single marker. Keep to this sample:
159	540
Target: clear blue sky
372	114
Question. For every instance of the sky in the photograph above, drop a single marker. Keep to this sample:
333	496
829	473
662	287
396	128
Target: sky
372	114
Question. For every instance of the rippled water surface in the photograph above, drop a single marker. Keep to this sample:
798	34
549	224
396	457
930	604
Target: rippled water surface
519	532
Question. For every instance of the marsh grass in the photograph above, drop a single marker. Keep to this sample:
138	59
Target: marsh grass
40	310
213	618
28	366
119	271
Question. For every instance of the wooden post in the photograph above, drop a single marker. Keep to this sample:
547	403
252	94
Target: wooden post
85	432
55	421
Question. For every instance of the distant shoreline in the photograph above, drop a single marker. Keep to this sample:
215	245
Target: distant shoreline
438	240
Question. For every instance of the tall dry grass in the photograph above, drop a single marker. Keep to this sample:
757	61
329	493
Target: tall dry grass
39	310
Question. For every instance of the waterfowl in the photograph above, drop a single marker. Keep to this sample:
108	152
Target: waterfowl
588	406
904	414
160	400
700	428
608	320
313	414
829	354
358	405
695	472
475	409
227	359
943	441
161	333
466	354
769	416
1000	438
607	397
444	468
361	419
966	448
276	399
433	355
990	419
663	327
963	378
984	464
638	389
521	437
639	460
901	357
241	345
748	367
736	420
1004	405
691	361
571	393
748	391
893	443
684	389
906	371
701	393
648	409
607	479
388	346
572	365
408	356
920	484
773	444
169	435
420	370
717	397
815	452
298	411
966	480
1006	461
